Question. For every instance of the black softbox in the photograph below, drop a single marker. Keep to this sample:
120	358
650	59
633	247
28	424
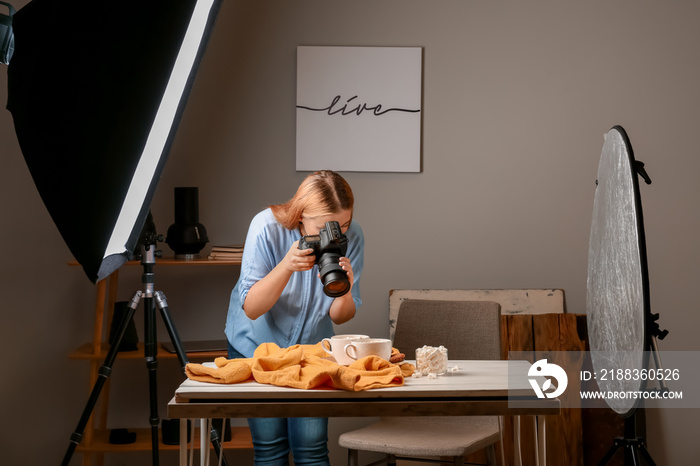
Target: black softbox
96	89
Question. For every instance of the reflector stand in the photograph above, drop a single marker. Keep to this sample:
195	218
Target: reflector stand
633	446
622	331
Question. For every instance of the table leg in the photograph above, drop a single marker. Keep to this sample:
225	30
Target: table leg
202	440
353	459
501	424
542	439
517	447
537	445
192	424
183	442
205	445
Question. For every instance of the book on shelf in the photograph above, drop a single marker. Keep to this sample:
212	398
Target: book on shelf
226	255
231	252
228	248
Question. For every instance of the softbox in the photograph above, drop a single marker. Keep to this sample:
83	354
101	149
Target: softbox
96	90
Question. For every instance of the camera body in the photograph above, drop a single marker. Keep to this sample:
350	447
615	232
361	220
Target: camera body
329	246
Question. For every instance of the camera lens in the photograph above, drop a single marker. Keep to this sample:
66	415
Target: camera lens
335	280
337	288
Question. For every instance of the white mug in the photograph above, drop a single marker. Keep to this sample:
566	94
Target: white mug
336	346
358	349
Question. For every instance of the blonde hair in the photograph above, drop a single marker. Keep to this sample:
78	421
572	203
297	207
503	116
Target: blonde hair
321	193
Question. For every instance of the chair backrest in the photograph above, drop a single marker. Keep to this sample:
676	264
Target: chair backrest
513	301
468	329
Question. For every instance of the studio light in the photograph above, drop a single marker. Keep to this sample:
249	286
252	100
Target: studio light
96	105
96	102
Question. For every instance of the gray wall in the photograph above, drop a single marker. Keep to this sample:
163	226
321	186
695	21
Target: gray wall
516	99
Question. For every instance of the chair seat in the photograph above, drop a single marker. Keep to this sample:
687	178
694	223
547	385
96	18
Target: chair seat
425	436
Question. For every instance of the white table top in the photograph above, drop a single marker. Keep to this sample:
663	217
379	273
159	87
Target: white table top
474	379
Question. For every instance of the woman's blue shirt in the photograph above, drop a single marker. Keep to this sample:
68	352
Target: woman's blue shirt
300	315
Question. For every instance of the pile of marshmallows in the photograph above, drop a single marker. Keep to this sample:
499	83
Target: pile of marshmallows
431	361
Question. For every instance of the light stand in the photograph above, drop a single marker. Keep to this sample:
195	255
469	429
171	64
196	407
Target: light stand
151	299
125	119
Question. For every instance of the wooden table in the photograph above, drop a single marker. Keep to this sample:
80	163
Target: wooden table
478	388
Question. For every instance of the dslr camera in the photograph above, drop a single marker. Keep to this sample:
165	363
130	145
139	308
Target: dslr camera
329	246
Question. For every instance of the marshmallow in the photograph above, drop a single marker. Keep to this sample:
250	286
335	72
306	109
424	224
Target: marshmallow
431	360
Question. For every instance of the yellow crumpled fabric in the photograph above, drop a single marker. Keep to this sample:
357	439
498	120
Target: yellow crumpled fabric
302	366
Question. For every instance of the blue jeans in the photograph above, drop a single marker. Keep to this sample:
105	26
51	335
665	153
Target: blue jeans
307	437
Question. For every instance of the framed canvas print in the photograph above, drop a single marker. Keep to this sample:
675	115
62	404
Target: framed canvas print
359	108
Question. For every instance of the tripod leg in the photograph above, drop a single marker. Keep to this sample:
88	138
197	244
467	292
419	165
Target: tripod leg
151	353
172	331
645	454
182	357
609	455
103	374
632	454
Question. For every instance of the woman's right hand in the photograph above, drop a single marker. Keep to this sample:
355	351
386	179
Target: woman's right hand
263	294
299	260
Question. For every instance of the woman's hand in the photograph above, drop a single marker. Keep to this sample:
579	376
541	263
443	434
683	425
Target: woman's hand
343	307
298	260
265	293
347	266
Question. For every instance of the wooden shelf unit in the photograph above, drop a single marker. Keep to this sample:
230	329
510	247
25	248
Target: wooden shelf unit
240	439
86	351
95	440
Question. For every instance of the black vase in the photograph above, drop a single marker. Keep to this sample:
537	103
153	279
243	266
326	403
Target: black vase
186	236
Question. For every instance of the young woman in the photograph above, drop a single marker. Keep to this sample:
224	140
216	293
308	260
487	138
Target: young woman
279	298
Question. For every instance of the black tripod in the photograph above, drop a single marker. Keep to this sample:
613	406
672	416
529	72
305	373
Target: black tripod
151	299
634	446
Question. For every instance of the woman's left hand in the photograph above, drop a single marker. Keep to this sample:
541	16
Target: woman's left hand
345	264
343	307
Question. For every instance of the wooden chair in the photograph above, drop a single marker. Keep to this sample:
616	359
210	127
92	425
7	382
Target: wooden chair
469	330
